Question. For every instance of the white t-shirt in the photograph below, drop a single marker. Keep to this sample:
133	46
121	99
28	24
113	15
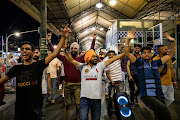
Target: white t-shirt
44	80
115	70
91	80
62	69
53	66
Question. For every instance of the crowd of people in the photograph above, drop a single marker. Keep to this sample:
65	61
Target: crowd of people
88	78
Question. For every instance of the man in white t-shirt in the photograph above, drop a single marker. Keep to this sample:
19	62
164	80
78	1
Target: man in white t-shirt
91	83
54	65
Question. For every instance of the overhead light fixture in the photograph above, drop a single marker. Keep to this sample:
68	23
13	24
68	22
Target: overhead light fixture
93	28
99	5
17	34
101	29
112	2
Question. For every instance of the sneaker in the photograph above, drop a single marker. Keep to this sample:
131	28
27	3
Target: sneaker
53	101
62	95
60	86
132	105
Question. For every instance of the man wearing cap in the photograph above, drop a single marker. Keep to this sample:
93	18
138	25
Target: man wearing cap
72	76
91	83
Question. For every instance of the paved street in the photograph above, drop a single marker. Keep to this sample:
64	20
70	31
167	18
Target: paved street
56	111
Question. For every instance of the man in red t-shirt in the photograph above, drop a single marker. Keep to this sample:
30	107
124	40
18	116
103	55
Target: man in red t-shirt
72	75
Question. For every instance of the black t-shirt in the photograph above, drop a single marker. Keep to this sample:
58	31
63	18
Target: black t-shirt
28	86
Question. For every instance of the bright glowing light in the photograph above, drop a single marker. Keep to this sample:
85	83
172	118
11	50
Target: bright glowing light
132	41
97	37
126	112
112	2
55	46
122	100
17	34
93	28
99	5
101	29
91	37
19	49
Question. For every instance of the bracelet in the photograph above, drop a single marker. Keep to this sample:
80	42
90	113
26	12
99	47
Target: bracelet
174	82
126	45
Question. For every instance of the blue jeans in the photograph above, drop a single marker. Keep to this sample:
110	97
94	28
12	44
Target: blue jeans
53	85
94	104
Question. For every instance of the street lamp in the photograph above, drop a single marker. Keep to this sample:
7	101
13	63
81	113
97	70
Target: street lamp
16	34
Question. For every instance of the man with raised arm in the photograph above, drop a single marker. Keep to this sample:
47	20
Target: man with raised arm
72	76
28	75
91	83
149	78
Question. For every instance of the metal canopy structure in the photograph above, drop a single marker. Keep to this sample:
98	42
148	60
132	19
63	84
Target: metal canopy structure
83	15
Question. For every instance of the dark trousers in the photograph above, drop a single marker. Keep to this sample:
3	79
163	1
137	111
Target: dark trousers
160	109
132	87
2	93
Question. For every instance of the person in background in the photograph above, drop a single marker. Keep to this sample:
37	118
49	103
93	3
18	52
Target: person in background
82	53
12	62
133	77
46	82
54	65
2	71
124	71
167	76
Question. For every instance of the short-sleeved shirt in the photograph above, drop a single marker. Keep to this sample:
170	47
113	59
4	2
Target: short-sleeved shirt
91	80
44	80
53	66
149	78
124	63
167	78
115	70
28	87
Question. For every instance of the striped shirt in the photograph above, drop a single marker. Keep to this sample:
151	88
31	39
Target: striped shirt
115	70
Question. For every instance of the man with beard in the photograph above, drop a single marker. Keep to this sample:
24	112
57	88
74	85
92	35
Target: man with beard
28	75
46	82
166	73
91	83
133	77
149	78
72	76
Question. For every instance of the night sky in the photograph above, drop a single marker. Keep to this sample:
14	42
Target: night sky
13	19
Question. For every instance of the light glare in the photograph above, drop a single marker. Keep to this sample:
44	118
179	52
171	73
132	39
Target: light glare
17	34
99	5
112	2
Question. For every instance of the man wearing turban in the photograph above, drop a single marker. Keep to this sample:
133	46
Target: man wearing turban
72	76
91	83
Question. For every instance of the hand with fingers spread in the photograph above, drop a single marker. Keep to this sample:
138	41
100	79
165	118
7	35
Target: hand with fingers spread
94	35
65	31
169	37
131	33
